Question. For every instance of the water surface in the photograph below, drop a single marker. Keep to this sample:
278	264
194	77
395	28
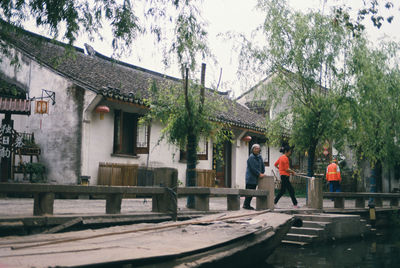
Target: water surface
380	250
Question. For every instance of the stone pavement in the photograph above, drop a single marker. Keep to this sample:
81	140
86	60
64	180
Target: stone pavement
16	207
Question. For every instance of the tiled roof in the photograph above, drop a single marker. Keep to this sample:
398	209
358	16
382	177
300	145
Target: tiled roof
115	79
15	106
13	99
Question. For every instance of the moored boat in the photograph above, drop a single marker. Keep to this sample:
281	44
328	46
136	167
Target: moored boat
234	239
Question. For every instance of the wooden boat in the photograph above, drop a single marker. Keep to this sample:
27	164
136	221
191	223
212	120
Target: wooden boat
232	239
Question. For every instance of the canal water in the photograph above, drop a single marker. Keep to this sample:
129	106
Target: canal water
380	250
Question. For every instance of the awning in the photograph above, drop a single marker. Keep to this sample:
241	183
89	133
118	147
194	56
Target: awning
15	106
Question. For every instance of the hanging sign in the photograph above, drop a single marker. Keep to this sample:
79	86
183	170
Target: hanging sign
42	107
10	141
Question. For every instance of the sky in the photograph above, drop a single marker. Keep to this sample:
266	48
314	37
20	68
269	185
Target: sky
237	16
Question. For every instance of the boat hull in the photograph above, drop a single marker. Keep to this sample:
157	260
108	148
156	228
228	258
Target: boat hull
234	239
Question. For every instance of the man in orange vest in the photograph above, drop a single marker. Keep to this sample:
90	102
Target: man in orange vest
333	176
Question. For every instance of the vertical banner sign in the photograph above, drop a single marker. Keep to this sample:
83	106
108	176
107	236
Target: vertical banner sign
10	141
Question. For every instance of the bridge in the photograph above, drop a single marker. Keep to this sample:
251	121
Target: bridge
164	202
165	193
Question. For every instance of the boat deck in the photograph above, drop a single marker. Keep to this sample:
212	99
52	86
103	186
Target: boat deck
140	243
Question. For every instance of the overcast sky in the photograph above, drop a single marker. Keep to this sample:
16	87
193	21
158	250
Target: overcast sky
229	15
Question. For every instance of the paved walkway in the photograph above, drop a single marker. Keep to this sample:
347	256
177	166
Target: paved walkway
13	207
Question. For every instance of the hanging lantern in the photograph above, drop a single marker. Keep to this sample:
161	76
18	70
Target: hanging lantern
102	109
246	138
41	107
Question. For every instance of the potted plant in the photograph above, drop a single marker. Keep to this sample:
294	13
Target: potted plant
36	171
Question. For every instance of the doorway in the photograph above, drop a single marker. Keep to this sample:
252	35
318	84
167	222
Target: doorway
222	164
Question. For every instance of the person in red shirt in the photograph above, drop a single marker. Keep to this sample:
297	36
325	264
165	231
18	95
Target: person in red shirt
284	170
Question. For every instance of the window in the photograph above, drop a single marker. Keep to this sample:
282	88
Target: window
202	150
265	153
130	137
258	106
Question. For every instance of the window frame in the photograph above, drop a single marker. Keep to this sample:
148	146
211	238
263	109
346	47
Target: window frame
265	148
120	130
200	156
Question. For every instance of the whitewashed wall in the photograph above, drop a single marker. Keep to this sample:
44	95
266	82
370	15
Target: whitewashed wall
240	153
255	94
74	140
99	143
58	132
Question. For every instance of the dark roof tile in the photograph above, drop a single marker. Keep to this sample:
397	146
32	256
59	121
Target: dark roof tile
113	78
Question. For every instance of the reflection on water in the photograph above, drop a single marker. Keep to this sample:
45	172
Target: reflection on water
382	250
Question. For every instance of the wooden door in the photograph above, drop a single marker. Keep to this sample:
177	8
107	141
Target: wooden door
223	164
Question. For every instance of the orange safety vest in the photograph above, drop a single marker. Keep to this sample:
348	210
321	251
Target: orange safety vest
333	173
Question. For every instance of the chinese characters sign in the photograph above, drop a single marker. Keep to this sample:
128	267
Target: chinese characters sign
10	141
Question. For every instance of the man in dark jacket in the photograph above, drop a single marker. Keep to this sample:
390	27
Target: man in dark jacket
255	169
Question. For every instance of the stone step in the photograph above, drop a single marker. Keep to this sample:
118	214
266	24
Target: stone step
307	231
322	227
316	217
295	243
315	224
300	238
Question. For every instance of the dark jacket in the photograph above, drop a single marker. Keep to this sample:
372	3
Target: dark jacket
255	166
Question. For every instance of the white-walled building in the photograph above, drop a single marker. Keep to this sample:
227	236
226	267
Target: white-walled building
256	100
74	138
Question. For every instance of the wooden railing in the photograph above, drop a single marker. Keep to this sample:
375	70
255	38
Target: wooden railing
361	198
164	199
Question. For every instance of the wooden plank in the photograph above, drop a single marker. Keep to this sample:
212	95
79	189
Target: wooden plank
77	189
135	242
224	191
254	193
63	226
365	194
193	190
204	220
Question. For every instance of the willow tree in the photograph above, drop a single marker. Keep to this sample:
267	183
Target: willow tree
304	54
124	20
185	109
182	108
375	131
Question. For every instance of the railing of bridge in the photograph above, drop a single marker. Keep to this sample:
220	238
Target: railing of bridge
164	199
362	200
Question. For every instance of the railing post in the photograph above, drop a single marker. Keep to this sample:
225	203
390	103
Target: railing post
202	202
233	202
113	203
360	202
168	202
266	183
378	202
315	193
394	202
43	204
338	202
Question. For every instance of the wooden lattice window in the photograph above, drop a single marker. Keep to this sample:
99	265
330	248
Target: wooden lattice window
130	137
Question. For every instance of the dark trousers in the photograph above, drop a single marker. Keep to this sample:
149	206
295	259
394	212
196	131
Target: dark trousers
334	186
247	200
285	184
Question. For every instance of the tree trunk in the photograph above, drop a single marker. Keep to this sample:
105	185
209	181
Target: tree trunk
378	175
191	166
311	160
